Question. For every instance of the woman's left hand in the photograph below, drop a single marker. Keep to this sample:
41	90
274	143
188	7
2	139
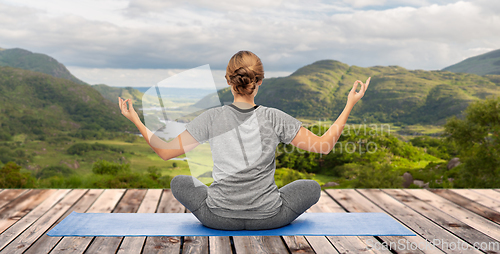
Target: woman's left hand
129	113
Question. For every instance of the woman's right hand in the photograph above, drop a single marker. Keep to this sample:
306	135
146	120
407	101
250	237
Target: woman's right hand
354	96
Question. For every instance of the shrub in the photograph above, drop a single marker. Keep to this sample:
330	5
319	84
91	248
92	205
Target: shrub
131	138
82	148
78	149
284	176
50	171
59	139
6	155
11	177
154	172
374	176
4	135
102	167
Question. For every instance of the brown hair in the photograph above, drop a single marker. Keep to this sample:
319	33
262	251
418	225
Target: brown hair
244	71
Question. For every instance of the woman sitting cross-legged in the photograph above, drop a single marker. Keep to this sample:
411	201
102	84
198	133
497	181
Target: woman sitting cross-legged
243	138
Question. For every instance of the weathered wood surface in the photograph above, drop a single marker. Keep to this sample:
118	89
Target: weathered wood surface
149	204
46	243
165	244
353	201
460	217
105	203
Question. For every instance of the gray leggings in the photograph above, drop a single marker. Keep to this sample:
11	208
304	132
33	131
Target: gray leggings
296	197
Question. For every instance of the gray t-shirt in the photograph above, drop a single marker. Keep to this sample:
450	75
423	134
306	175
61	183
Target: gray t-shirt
243	144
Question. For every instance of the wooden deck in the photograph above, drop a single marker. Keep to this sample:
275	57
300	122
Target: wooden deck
445	221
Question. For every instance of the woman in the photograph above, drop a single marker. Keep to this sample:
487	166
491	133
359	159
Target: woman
243	138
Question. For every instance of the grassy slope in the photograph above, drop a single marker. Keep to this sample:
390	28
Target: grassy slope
24	59
488	63
32	100
319	91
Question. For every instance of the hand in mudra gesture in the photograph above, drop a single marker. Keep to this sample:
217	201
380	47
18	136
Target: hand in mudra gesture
354	96
129	113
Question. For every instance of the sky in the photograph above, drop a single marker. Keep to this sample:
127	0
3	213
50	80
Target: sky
141	42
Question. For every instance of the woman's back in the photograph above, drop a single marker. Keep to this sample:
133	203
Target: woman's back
243	144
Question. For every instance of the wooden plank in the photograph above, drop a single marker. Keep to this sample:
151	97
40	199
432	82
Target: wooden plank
46	243
148	205
321	244
259	244
353	201
299	244
495	195
30	235
7	196
220	244
128	204
17	209
165	244
455	226
415	221
214	244
105	203
343	244
468	204
479	197
12	232
466	216
195	244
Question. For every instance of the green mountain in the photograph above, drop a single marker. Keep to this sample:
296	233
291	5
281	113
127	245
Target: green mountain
24	59
34	102
488	63
319	91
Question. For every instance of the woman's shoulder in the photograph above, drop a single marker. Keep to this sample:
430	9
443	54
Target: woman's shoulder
274	112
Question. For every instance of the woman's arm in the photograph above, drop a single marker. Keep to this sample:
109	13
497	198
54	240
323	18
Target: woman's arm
306	140
183	143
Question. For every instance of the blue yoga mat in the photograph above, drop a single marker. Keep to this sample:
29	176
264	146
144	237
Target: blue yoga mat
186	224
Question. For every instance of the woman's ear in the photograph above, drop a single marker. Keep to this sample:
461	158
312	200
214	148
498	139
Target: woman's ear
260	82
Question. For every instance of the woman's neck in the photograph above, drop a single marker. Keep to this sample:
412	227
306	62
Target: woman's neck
243	103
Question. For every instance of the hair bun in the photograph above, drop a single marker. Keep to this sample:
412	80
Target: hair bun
244	71
244	75
244	80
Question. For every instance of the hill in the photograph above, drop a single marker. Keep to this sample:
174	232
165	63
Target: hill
112	93
37	103
319	91
488	63
24	59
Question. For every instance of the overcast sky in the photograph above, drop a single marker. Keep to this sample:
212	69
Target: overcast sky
140	42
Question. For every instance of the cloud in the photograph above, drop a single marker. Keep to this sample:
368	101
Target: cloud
143	7
151	34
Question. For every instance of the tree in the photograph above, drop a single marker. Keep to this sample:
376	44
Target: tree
11	177
478	142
